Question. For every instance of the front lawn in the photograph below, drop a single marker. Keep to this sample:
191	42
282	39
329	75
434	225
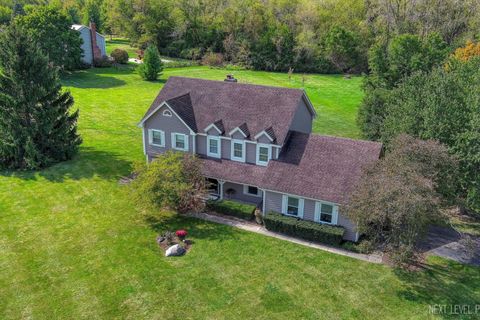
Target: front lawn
73	246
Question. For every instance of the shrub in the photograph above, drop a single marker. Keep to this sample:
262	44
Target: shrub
103	62
120	56
152	65
304	229
232	208
212	59
172	180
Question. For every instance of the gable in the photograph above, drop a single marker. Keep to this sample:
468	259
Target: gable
172	123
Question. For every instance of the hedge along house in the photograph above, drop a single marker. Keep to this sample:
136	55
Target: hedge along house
94	45
256	146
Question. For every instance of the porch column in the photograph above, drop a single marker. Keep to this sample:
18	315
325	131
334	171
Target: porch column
220	183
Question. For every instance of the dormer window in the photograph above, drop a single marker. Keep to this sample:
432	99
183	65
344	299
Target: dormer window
167	113
238	150
264	154
213	146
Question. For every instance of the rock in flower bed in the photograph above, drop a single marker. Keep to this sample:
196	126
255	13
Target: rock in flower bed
174	244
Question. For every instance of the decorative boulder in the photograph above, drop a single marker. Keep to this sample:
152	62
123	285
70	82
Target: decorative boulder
175	250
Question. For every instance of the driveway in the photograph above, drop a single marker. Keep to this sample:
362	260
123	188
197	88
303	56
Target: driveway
448	243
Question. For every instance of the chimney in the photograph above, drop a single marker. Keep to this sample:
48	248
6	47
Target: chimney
97	54
230	78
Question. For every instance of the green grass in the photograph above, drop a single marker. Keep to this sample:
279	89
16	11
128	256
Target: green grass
121	43
73	246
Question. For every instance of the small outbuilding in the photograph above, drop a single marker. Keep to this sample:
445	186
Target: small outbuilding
94	45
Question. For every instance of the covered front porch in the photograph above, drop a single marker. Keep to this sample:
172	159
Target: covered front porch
221	189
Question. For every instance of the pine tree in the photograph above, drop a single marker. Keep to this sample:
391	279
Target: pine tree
152	64
36	125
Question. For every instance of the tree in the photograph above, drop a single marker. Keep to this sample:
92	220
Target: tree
341	48
172	180
50	28
152	65
36	125
468	52
401	194
390	63
92	12
443	105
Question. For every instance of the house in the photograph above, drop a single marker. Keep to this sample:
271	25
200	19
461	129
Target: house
93	46
257	146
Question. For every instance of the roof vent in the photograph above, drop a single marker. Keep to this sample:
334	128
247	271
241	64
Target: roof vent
230	78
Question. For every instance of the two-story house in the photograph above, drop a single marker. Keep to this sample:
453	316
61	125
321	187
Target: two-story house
256	146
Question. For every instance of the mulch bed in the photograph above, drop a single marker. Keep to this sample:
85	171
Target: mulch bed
187	244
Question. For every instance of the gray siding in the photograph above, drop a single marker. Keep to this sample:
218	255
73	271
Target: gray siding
226	147
251	150
87	56
87	45
302	121
201	145
239	195
263	139
238	135
273	202
168	125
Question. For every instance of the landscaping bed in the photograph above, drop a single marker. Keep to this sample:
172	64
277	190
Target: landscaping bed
232	208
304	229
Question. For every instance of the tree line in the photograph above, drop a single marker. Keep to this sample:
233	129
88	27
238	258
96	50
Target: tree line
327	36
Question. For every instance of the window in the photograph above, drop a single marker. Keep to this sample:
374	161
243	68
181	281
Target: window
326	213
213	147
180	141
238	150
292	206
156	138
264	153
252	191
167	113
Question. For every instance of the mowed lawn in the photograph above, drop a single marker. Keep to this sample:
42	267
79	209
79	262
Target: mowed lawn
73	246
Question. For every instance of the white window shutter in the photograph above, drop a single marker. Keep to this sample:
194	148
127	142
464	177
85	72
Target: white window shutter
150	136
173	140
317	211
284	204
163	138
187	138
335	215
301	206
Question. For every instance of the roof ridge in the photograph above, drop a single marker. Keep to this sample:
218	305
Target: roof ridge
238	83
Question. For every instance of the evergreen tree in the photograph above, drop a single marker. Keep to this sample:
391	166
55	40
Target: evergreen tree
152	65
36	125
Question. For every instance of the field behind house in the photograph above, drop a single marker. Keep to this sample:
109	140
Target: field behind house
73	246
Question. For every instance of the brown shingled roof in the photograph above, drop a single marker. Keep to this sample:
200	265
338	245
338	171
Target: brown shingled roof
320	167
312	166
253	106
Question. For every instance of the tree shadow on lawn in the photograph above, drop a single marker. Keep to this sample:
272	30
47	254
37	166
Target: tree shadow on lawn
197	228
94	79
88	163
442	283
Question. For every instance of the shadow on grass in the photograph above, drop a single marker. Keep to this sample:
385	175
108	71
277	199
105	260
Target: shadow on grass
443	282
197	228
88	163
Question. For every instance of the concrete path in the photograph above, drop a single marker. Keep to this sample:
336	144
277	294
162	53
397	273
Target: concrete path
253	227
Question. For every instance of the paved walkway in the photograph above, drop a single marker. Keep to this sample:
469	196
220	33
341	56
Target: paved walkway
253	227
